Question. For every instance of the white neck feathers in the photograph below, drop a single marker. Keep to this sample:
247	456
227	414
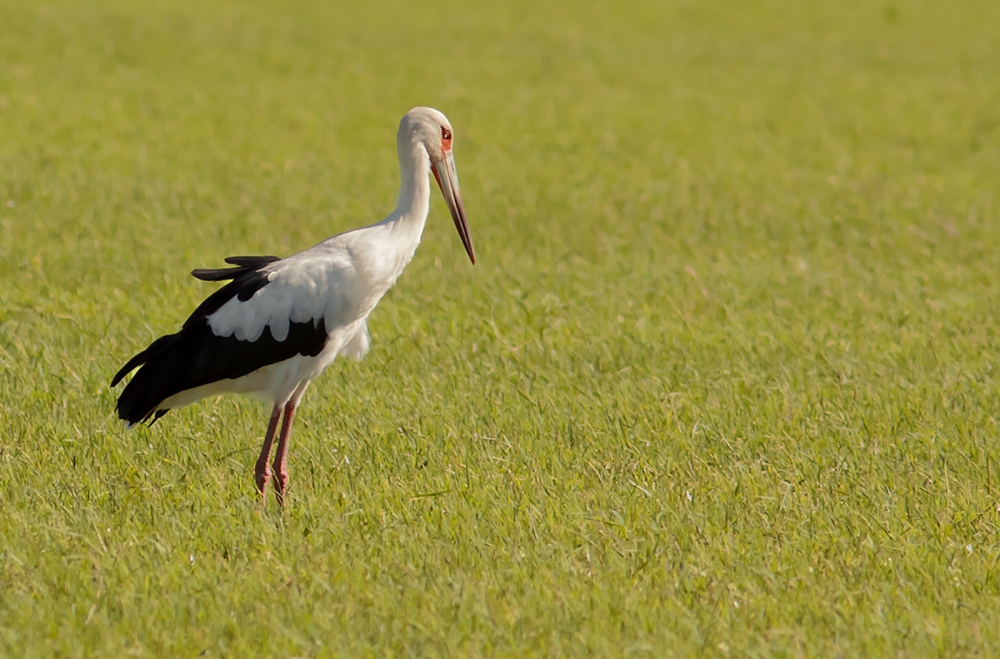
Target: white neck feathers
413	202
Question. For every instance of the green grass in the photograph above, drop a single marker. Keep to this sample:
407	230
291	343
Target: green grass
722	383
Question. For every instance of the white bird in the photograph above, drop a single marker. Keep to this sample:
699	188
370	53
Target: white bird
274	328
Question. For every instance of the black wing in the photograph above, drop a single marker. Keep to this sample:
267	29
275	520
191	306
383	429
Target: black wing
195	356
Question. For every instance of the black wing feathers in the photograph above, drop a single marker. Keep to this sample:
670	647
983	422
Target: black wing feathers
195	356
154	348
244	263
247	279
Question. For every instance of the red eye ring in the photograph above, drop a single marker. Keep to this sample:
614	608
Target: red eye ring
445	134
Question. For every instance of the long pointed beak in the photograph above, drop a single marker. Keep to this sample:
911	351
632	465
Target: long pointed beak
447	178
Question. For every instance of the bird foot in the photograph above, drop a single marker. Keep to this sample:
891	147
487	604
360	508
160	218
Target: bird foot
261	477
280	486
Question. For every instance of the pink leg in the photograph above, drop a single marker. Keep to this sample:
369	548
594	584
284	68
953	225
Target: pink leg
262	472
281	453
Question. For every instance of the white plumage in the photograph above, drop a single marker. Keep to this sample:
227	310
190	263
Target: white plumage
280	322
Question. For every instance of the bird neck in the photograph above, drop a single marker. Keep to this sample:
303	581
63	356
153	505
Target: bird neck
414	199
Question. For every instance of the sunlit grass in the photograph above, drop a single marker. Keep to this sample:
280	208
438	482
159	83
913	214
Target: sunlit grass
721	383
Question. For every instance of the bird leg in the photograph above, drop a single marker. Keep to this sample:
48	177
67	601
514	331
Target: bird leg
262	473
281	453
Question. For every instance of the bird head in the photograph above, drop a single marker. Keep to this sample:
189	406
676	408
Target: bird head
430	130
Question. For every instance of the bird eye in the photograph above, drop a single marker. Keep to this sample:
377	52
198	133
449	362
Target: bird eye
445	134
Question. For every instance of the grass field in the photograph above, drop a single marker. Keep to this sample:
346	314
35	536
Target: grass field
721	384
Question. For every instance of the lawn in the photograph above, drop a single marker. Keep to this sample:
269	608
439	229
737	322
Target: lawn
721	383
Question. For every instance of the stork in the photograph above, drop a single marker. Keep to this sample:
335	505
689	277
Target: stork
279	323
